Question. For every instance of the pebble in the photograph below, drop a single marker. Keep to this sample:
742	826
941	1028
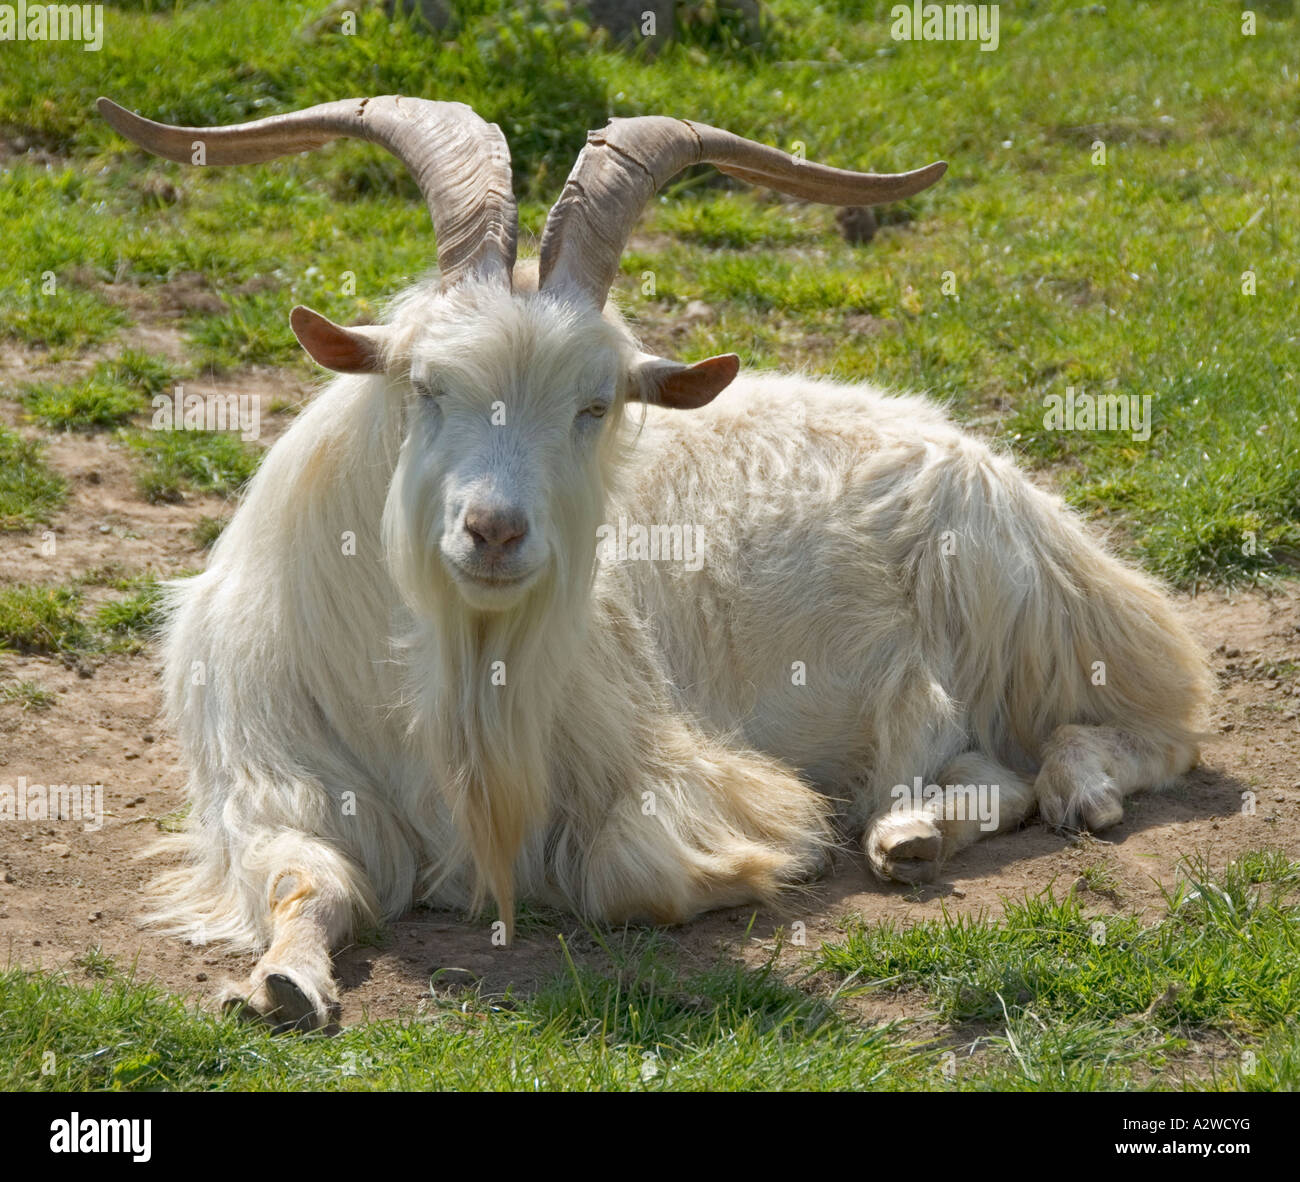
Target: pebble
200	976
57	848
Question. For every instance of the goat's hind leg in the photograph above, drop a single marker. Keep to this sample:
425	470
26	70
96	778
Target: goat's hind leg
1088	770
312	905
981	797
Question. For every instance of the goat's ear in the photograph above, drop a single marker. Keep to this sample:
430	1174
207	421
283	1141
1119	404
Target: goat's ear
680	386
344	350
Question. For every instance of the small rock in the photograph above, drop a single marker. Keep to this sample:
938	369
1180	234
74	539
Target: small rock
160	188
958	893
857	223
146	738
133	755
94	915
200	976
58	848
1232	652
104	529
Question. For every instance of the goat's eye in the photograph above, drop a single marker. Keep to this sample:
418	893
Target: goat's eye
595	410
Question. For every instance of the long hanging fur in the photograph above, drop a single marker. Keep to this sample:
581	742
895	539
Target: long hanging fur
630	742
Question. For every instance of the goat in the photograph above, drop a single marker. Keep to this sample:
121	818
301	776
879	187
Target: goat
410	673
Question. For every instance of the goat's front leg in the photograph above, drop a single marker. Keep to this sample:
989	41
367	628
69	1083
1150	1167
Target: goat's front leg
292	986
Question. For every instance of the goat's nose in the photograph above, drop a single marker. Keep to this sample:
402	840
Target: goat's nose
498	528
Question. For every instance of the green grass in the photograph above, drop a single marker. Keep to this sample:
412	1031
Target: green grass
27	694
81	405
53	620
1100	878
109	395
29	492
207	530
127	622
41	619
1031	1002
1077	992
633	1024
176	461
63	323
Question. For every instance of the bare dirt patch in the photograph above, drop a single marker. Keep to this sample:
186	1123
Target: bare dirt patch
65	890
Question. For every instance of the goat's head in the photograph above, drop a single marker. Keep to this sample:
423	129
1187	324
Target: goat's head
514	381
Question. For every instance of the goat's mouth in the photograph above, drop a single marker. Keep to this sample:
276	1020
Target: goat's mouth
491	587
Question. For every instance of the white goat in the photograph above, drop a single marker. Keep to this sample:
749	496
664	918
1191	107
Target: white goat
407	674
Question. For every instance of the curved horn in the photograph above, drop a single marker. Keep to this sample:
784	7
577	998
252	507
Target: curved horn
460	162
626	163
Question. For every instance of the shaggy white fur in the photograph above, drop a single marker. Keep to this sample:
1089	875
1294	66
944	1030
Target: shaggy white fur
879	598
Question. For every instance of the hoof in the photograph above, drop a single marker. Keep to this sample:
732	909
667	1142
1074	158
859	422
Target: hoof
906	847
283	1001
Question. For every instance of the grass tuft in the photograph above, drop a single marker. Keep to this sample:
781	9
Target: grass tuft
179	461
29	492
41	619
